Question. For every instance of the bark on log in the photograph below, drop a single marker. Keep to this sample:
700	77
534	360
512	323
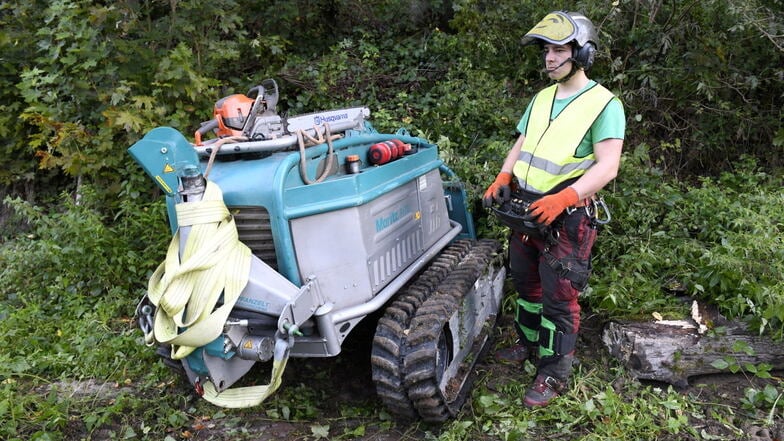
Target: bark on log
673	351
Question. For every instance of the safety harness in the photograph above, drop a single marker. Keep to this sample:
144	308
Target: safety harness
549	162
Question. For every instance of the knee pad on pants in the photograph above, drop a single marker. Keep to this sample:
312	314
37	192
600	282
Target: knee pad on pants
553	342
528	318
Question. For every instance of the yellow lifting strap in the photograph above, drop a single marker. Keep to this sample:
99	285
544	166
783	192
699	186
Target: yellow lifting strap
186	290
250	396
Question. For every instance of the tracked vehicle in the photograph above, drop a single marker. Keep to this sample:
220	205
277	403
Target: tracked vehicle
290	231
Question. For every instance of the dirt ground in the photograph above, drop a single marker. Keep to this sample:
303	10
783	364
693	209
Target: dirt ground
345	382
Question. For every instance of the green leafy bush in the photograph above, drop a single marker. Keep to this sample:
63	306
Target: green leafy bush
70	281
717	239
66	308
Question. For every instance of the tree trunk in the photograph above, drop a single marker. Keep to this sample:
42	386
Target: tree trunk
673	351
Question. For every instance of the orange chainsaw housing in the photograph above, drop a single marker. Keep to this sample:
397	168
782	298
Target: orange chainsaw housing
231	112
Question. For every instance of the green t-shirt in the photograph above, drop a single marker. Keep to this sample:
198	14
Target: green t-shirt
611	123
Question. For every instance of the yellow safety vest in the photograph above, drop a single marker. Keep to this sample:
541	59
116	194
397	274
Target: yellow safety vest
548	156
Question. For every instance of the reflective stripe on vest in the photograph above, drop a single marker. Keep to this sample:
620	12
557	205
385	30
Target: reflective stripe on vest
549	154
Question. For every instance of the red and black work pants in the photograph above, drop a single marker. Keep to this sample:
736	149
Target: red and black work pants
549	274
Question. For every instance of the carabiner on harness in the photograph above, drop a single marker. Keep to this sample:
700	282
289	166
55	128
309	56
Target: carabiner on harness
600	204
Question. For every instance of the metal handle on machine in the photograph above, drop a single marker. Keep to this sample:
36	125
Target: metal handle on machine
270	93
267	94
448	199
204	129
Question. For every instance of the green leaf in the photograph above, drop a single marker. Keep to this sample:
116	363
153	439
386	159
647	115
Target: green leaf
357	432
320	431
742	346
128	121
671	404
129	433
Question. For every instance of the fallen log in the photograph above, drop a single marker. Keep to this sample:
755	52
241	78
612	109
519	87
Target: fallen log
674	350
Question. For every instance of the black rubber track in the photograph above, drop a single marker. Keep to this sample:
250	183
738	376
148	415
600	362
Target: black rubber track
386	357
427	342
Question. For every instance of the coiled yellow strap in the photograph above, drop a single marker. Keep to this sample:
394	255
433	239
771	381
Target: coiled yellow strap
186	290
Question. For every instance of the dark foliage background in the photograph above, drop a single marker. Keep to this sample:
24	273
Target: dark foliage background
82	80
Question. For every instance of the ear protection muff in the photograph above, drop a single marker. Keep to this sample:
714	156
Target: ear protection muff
584	55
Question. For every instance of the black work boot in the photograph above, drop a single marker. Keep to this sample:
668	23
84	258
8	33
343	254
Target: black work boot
551	380
543	390
517	353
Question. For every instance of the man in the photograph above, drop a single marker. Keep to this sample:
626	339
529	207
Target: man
569	148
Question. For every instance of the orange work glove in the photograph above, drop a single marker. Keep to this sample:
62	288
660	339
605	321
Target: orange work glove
547	208
499	190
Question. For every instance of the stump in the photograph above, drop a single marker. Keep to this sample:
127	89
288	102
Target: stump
674	350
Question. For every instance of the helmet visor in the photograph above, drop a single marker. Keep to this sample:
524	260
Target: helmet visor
555	28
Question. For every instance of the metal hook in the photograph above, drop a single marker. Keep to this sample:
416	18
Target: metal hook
599	203
144	314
